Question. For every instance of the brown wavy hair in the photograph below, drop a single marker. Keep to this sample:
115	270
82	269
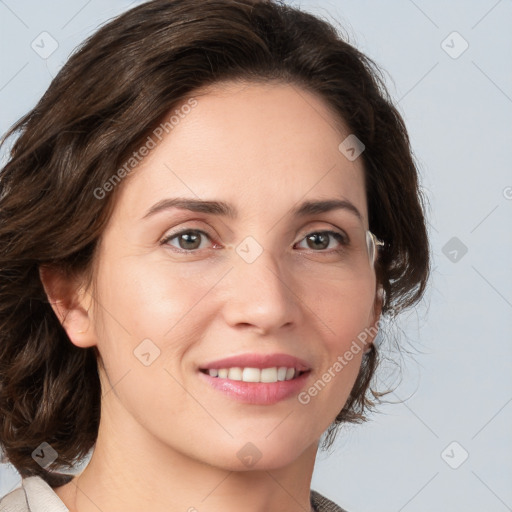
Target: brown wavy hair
114	89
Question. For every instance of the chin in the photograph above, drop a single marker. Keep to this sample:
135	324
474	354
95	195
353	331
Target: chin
258	453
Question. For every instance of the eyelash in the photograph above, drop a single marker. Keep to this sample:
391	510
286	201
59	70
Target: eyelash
342	239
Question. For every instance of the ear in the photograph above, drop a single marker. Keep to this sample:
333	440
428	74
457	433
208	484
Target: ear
71	304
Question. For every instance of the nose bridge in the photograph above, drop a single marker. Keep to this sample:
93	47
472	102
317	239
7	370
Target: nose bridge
259	293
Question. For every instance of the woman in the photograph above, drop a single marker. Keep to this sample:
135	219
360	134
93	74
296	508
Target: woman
203	222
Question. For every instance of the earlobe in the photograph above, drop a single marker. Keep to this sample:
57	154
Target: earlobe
70	304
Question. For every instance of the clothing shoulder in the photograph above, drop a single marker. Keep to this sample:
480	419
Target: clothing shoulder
34	495
323	504
15	501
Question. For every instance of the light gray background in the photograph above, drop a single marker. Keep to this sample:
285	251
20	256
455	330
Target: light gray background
457	384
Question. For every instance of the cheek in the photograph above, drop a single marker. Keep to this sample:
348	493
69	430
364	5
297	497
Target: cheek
342	312
342	308
147	323
147	297
145	313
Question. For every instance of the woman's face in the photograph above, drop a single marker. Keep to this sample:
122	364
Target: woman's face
259	282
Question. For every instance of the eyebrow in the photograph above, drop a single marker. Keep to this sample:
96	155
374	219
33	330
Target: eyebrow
224	209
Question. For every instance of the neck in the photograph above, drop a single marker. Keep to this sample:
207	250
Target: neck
130	469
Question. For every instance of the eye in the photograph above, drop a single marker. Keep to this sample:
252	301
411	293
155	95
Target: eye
188	239
320	240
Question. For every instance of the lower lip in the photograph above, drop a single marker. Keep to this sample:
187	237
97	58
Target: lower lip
258	393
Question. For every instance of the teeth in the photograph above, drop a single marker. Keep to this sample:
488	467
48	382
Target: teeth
251	375
235	374
273	374
268	375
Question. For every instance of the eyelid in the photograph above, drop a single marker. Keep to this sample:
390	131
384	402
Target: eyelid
331	228
187	225
320	229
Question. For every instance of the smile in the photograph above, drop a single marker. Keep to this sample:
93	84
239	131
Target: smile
255	378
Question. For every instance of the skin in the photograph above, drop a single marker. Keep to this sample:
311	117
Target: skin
166	438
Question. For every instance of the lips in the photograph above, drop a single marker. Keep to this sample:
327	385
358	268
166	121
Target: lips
260	379
259	361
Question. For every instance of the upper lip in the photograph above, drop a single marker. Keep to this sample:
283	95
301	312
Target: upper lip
258	361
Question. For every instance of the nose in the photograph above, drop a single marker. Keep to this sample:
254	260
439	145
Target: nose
259	295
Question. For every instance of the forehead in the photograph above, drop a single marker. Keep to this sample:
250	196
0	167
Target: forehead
258	146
